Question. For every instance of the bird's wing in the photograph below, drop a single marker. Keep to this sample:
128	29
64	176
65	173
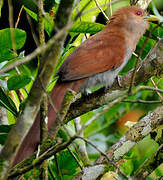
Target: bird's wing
99	53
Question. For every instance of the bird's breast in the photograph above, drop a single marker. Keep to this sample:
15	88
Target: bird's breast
105	78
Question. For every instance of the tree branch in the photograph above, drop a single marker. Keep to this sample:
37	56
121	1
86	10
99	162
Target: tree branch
68	98
28	164
136	133
150	66
30	111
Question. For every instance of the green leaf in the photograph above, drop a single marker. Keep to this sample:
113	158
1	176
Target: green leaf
58	1
66	158
156	174
138	154
18	81
3	137
4	130
158	32
29	4
31	13
92	8
6	52
6	102
6	41
87	27
3	84
1	5
66	163
3	64
49	23
147	47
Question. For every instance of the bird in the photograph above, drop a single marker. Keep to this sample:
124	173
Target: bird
97	61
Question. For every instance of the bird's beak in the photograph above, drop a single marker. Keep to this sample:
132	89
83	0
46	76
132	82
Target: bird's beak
152	18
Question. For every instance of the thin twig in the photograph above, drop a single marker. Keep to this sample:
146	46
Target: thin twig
134	75
103	5
103	154
73	155
43	13
11	22
41	22
148	159
149	88
44	119
133	2
61	123
44	102
101	10
137	132
105	109
93	145
27	116
35	38
58	168
69	96
81	145
18	19
139	59
153	116
154	84
48	153
142	101
45	47
148	67
111	11
120	99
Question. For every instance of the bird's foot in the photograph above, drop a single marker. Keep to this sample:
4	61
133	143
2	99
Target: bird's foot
85	91
118	81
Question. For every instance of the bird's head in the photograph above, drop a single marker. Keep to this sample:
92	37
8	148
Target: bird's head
132	18
130	22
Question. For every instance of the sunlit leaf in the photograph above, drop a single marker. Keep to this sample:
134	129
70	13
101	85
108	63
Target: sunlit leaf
6	42
87	27
6	102
49	23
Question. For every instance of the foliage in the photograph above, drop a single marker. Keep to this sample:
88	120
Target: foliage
107	129
6	45
60	160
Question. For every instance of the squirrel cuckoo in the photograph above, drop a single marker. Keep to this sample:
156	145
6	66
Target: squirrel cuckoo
97	61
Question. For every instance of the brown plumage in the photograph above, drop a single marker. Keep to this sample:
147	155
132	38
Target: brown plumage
97	61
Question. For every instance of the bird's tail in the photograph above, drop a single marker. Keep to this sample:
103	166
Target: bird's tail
32	139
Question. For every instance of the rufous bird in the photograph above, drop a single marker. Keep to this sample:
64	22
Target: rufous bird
97	61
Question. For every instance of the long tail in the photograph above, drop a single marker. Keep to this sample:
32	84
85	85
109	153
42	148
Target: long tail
32	139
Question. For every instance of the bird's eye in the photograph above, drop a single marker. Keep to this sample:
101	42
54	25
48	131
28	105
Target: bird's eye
139	13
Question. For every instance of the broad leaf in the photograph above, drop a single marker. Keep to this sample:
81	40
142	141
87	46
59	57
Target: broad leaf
87	27
66	164
6	102
6	44
4	130
91	10
49	23
18	81
1	5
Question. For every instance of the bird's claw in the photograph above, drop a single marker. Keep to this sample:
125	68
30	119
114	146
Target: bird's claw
118	81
